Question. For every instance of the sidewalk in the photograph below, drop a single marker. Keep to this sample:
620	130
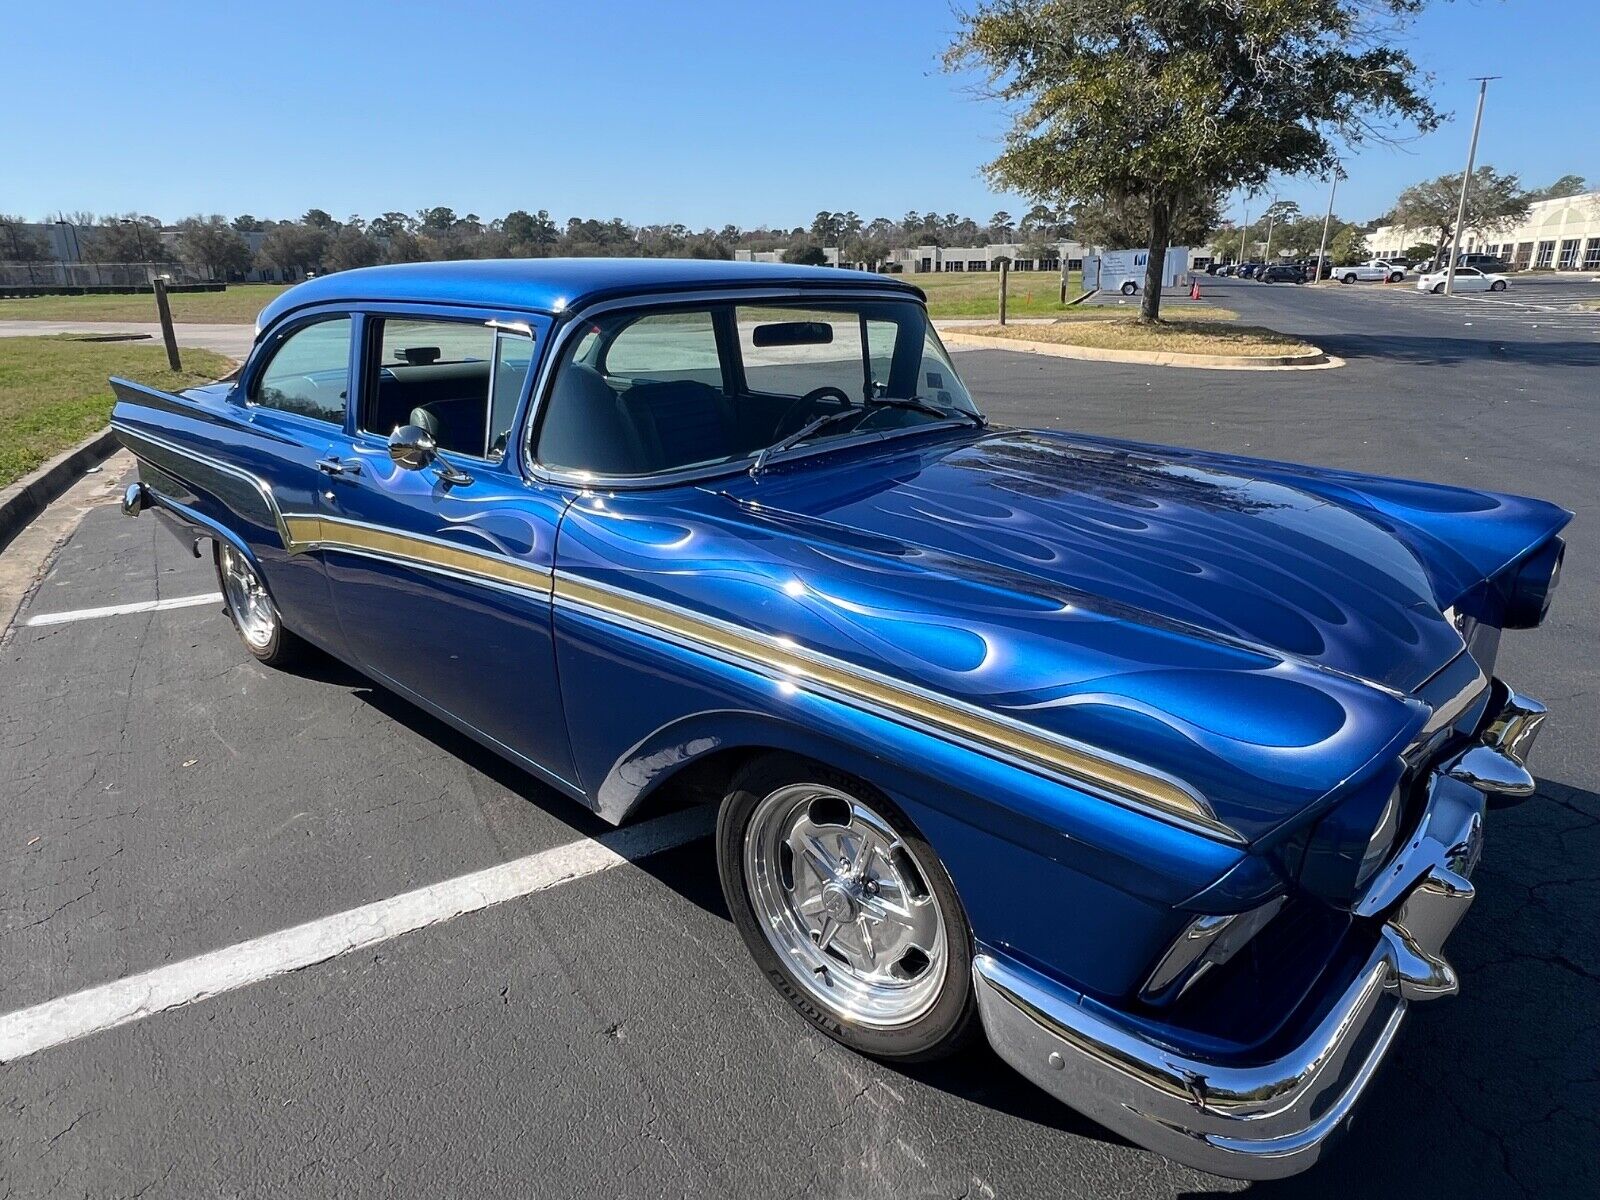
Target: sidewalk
232	340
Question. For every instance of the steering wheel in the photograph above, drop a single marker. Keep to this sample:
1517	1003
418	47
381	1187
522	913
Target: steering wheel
794	417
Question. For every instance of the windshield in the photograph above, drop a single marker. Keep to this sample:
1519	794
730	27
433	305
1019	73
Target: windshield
641	392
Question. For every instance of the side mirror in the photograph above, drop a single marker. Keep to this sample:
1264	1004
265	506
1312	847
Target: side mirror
412	447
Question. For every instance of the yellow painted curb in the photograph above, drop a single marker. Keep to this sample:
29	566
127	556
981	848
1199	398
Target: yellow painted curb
1317	360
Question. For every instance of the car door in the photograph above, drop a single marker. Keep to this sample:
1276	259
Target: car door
442	575
293	394
1470	279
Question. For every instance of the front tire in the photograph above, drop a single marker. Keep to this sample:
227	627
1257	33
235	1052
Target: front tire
252	611
846	909
1348	279
1499	285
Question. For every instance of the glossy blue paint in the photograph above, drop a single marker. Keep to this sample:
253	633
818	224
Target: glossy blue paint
1263	633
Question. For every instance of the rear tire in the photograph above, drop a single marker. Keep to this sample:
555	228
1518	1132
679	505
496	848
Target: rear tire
1348	279
1438	289
1128	289
255	618
1499	285
846	909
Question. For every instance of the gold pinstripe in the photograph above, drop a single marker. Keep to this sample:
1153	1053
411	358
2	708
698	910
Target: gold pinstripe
1107	775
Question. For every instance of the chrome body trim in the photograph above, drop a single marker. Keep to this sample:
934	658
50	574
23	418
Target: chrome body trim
259	485
1103	774
1246	1117
1207	942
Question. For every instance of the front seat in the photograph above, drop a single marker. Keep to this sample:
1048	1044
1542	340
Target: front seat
680	421
586	429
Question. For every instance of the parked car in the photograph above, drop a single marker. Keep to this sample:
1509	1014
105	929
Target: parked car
1374	271
1281	273
1247	270
1487	263
1165	768
1468	279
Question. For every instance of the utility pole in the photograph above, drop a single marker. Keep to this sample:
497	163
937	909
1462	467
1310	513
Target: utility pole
1466	181
1327	218
1244	231
1272	219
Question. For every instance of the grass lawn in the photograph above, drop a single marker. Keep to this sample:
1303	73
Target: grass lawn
53	391
1174	336
238	305
977	294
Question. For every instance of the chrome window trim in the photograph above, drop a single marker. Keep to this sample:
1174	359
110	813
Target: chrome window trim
571	324
260	359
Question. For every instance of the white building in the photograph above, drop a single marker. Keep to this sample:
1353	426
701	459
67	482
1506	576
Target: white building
921	259
1561	235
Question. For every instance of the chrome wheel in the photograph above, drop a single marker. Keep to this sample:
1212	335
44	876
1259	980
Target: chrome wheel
247	599
843	901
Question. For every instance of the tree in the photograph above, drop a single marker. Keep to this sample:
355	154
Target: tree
1124	224
530	235
1567	185
130	238
1348	246
1495	200
350	248
20	244
245	223
319	219
213	246
1166	100
806	254
1001	227
290	246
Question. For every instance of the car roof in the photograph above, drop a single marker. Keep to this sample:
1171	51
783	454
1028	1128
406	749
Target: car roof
555	285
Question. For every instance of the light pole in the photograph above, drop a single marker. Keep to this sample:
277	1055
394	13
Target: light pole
1272	219
1466	180
138	234
1327	218
1244	231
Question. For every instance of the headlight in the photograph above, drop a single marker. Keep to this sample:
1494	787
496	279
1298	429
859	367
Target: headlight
1529	588
1349	845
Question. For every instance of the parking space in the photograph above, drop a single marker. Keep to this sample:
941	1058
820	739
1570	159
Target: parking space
602	1031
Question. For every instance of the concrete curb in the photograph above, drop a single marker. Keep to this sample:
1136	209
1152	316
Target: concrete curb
24	500
1315	361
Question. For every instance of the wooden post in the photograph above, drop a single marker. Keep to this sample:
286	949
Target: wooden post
1063	277
1005	275
164	310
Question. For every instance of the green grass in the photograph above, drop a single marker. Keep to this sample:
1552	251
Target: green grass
1176	336
977	293
53	391
238	305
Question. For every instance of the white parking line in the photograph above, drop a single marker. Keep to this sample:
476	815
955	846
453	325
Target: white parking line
67	1018
120	610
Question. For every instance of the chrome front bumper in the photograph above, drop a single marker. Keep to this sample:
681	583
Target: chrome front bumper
1257	1118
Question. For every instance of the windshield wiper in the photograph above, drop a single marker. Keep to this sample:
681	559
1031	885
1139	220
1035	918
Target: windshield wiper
922	404
800	435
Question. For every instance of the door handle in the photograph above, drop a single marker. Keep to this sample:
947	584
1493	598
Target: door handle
334	465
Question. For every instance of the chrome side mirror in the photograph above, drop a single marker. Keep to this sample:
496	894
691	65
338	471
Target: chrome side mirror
413	448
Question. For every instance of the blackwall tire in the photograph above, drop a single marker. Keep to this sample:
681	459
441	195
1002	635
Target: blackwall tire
860	930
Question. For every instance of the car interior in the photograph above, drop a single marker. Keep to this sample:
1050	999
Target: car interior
644	394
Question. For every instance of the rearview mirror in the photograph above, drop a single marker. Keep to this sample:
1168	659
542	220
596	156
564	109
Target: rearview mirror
412	447
793	333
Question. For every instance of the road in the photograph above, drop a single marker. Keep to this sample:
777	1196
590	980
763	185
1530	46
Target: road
165	796
231	340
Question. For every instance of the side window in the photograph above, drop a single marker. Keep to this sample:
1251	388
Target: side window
309	373
513	358
435	374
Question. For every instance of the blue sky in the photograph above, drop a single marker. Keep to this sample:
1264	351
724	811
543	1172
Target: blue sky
702	111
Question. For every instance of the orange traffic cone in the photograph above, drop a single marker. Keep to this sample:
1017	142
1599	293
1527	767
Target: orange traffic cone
1194	289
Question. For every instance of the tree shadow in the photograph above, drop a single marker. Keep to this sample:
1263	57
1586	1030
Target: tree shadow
1445	351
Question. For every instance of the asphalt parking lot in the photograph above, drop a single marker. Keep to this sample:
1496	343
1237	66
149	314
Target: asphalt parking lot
607	1035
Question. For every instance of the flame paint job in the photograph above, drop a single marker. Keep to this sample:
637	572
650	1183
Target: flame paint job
1263	634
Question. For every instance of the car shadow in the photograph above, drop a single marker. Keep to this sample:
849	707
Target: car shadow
1435	1117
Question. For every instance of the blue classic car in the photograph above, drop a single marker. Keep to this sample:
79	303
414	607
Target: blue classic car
1166	769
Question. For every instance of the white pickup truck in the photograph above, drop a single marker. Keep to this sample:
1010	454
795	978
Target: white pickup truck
1376	270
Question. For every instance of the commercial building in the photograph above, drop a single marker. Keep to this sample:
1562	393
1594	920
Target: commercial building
1560	235
922	259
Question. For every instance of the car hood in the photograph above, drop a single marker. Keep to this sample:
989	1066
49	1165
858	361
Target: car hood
1341	572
